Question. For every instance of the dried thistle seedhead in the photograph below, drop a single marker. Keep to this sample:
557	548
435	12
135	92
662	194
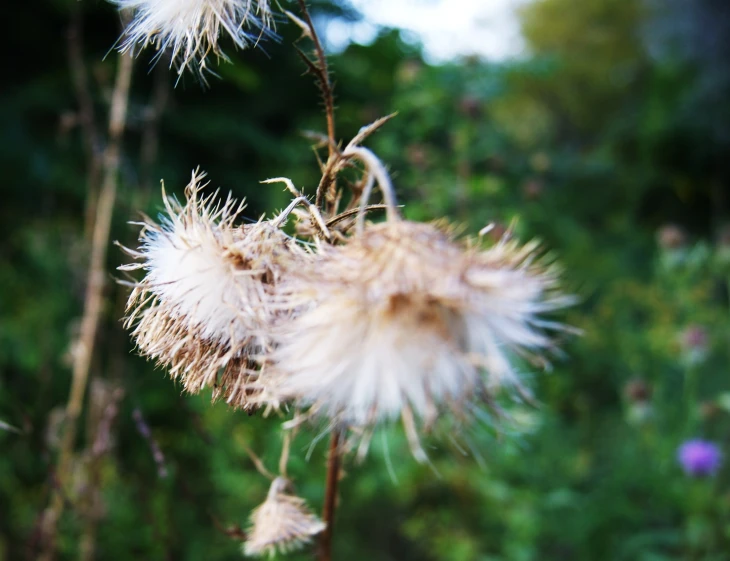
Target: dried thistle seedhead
190	29
403	321
282	523
205	303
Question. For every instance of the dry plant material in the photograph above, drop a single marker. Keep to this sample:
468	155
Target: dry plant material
205	303
282	523
93	303
405	318
358	325
191	29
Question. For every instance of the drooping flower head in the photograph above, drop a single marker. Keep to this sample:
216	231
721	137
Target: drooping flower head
699	458
403	321
191	29
282	523
205	301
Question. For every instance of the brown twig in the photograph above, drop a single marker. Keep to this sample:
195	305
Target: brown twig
94	300
352	212
324	77
320	70
330	496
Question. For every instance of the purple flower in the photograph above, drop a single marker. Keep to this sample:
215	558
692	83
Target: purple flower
699	457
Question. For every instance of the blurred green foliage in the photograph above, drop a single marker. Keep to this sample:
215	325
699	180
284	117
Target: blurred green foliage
608	141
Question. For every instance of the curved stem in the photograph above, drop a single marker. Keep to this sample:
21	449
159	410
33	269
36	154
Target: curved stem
353	211
313	210
259	464
281	219
377	173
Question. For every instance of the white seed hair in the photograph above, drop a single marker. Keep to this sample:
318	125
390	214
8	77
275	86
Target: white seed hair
190	29
404	321
205	302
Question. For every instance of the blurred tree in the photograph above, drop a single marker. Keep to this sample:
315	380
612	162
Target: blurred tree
596	56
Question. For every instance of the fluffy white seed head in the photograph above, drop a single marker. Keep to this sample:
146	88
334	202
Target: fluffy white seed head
402	321
191	29
282	523
205	303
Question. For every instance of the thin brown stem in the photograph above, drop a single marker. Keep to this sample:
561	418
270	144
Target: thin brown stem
330	497
94	299
352	212
321	72
284	458
326	84
259	464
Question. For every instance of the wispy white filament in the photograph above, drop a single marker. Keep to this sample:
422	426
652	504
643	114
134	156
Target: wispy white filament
403	321
205	301
194	268
191	29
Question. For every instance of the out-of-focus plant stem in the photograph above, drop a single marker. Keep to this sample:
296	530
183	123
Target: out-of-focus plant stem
93	301
103	409
330	496
320	69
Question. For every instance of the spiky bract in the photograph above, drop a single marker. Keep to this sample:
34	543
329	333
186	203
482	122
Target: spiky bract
282	523
204	305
